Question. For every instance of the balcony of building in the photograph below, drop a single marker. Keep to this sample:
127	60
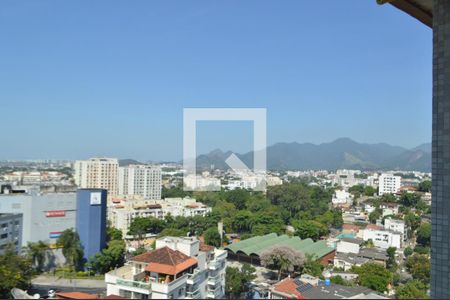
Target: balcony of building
126	280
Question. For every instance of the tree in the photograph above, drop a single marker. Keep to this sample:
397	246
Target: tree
339	280
72	249
412	221
141	225
419	266
237	280
369	191
212	237
388	198
408	251
242	221
238	197
409	199
174	192
15	271
312	266
37	252
424	234
375	215
374	276
172	232
113	234
111	257
309	229
413	289
391	263
282	258
425	186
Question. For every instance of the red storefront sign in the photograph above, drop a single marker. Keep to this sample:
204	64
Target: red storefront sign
55	213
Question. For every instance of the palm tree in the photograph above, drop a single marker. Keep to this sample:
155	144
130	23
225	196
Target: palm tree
37	252
72	250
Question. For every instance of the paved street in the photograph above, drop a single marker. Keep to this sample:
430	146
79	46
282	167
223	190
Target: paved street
42	284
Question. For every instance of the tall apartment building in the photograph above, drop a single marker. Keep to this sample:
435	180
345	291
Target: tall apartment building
99	173
145	181
388	184
179	268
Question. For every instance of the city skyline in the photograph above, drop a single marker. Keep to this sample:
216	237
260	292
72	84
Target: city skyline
352	76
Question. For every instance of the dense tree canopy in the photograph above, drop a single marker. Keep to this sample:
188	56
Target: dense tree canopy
413	289
252	213
212	237
111	257
15	271
237	281
374	276
310	229
425	186
419	266
424	234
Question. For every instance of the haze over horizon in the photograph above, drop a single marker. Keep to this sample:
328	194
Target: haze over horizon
95	86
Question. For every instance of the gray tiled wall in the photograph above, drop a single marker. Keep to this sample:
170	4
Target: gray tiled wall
440	239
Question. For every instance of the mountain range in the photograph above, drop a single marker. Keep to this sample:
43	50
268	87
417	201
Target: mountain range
342	153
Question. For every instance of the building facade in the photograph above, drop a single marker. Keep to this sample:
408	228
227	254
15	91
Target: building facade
383	238
140	180
10	231
179	268
99	173
91	220
396	226
45	216
388	184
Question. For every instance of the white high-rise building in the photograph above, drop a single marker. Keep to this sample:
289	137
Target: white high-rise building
97	173
145	181
389	184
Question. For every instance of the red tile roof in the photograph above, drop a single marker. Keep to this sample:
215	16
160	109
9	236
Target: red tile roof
350	227
287	286
165	260
75	295
373	226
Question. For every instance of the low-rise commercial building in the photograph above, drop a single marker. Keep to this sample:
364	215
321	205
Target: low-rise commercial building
249	250
44	216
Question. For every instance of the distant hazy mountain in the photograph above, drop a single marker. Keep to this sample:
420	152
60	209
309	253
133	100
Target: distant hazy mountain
127	162
341	153
424	147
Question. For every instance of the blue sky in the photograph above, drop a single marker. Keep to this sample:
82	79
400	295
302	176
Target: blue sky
85	78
